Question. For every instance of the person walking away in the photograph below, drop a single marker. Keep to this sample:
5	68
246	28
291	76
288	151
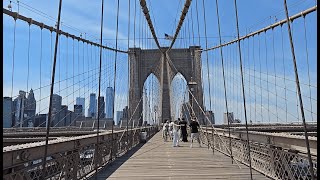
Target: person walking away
183	128
165	130
175	128
179	130
194	125
171	130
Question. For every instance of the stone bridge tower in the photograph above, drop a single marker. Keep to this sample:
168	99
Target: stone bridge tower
145	62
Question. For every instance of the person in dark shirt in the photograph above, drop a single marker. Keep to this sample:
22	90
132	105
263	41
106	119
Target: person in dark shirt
194	125
184	134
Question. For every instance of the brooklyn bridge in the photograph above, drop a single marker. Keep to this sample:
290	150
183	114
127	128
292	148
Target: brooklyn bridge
89	86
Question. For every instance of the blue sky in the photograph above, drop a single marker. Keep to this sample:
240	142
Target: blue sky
84	18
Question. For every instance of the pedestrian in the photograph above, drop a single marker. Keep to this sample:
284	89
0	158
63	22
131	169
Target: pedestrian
183	128
165	130
171	130
194	131
175	128
179	130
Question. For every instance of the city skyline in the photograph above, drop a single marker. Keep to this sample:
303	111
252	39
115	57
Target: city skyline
61	114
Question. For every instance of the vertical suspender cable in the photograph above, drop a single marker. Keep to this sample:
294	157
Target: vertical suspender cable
192	25
114	80
99	104
198	22
134	28
275	77
14	47
265	42
67	77
254	81
299	91
72	69
244	98
128	68
260	81
307	59
207	58
224	80
28	59
51	92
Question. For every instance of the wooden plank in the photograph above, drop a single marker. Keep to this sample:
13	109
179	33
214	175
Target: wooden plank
159	160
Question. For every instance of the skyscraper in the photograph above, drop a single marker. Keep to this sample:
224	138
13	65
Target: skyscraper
81	101
109	102
40	120
30	109
92	105
19	104
119	116
101	107
56	107
78	111
210	116
230	117
63	116
7	112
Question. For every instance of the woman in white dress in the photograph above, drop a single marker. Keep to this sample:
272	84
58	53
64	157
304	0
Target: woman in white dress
175	129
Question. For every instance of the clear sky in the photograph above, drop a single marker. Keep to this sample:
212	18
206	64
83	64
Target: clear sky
83	17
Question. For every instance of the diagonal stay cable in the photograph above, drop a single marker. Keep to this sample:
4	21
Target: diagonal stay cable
169	60
51	93
299	91
224	79
242	83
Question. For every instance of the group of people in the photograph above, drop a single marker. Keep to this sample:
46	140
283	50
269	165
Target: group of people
177	130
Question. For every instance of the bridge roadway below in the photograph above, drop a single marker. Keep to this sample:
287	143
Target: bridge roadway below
157	159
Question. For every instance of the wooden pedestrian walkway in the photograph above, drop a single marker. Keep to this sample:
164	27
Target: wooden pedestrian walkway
159	160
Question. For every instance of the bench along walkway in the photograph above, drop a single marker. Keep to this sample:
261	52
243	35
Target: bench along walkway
159	160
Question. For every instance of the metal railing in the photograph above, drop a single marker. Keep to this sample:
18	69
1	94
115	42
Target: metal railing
70	158
273	161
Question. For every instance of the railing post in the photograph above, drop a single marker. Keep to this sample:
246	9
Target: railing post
212	138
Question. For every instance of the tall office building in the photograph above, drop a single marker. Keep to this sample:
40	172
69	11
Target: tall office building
19	104
7	112
125	112
41	120
230	117
78	111
109	102
119	116
101	107
92	105
30	109
210	116
63	116
56	107
81	101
